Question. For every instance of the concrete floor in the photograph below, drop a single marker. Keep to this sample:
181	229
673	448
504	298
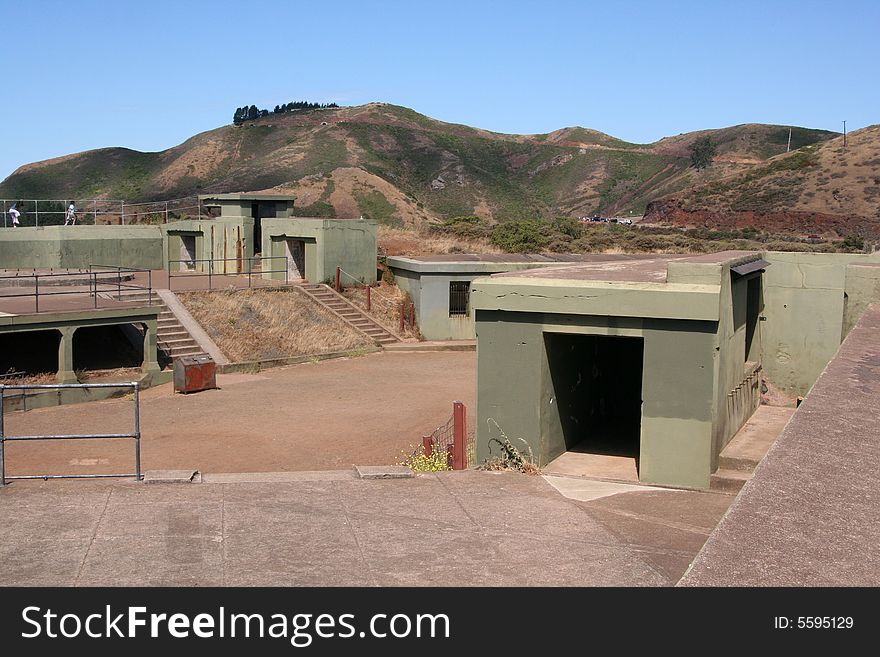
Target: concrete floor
451	529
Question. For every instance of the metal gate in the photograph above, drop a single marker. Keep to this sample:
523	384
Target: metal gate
135	434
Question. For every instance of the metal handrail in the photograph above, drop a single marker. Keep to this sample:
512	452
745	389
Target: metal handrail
136	434
91	209
210	273
93	283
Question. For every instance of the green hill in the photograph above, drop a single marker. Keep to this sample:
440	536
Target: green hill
404	168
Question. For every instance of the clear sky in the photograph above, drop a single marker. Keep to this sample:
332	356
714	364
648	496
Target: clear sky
147	75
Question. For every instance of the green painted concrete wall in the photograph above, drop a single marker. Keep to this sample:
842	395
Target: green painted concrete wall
804	306
677	389
430	295
226	241
694	337
350	244
862	289
80	246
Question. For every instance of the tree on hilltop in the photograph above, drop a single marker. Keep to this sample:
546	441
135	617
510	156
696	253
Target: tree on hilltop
702	152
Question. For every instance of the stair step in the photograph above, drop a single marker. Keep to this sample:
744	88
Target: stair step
167	336
738	464
728	481
179	342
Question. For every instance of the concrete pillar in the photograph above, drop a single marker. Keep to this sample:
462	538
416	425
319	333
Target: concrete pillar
151	360
65	356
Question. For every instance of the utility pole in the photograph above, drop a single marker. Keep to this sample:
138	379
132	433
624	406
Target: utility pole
844	134
788	148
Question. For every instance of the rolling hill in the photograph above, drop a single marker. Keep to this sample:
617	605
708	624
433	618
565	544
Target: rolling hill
403	168
823	188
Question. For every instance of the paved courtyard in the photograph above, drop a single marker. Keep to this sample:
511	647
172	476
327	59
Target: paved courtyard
314	416
448	529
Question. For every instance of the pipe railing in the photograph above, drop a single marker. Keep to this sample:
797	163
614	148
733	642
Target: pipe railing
87	211
391	303
135	434
211	274
93	281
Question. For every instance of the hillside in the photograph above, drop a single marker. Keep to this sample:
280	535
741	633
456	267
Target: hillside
823	188
404	169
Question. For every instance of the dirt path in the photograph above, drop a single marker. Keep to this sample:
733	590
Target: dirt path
314	416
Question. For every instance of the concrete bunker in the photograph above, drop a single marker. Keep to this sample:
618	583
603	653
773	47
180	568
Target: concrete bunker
712	328
440	285
645	358
595	385
36	343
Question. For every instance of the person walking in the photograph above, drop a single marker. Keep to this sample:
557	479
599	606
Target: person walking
71	214
15	214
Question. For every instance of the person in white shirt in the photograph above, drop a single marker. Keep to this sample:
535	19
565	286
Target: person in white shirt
15	214
71	214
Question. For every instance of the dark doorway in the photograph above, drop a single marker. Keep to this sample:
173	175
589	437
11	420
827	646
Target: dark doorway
258	228
28	353
104	348
754	306
597	388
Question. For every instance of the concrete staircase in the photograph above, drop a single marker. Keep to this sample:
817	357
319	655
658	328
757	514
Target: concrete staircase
173	339
349	313
740	457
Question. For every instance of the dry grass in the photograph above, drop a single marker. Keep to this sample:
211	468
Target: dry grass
29	379
401	241
262	324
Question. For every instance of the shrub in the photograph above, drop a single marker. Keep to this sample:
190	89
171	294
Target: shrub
519	236
853	243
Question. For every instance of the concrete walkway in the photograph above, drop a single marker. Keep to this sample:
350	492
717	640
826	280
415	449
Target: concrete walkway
810	516
329	528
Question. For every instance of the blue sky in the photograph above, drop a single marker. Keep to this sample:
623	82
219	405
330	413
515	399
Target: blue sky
147	75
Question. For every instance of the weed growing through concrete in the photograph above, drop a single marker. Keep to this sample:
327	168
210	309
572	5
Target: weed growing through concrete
510	458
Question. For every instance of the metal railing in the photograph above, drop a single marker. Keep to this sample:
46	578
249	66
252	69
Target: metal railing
210	274
385	303
53	212
123	286
94	281
136	434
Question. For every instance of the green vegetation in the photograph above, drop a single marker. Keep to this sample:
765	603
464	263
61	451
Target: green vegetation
520	236
418	461
568	235
374	205
249	113
702	151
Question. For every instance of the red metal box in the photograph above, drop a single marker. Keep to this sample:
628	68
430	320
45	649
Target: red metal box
194	373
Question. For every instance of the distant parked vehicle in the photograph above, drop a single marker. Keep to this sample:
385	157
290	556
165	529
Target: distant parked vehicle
626	222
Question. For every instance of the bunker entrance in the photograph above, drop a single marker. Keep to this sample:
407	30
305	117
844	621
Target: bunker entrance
296	257
257	214
107	347
597	393
187	252
28	353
